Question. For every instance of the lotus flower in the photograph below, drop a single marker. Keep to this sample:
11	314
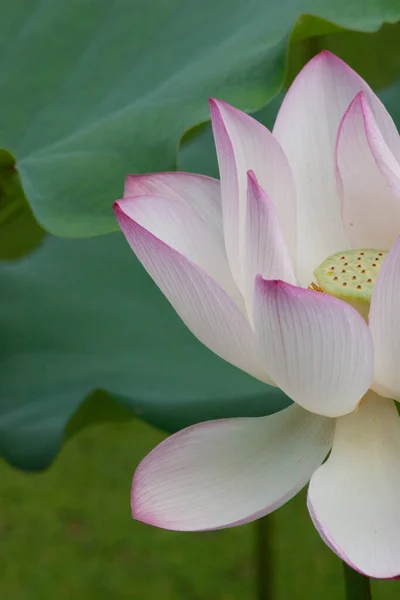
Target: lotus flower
289	268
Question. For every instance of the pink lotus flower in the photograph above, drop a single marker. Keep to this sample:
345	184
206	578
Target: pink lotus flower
236	260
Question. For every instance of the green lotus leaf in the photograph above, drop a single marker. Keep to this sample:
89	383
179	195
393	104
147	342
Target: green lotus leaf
82	315
92	90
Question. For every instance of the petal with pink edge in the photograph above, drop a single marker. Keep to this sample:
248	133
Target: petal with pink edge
175	222
202	194
265	249
242	145
317	348
206	309
353	497
306	128
369	179
228	472
384	324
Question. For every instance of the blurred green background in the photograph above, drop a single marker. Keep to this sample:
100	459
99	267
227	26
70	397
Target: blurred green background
92	90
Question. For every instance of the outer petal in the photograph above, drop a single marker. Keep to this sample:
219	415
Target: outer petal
384	324
243	144
188	230
223	473
369	178
317	348
265	248
306	128
206	309
353	498
202	194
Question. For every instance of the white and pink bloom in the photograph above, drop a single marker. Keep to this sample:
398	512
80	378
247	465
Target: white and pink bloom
274	269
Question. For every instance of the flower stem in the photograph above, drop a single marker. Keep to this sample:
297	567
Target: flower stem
357	586
264	574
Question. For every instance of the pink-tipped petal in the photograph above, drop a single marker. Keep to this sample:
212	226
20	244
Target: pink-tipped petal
265	249
317	348
384	324
306	128
207	310
369	179
202	194
242	145
224	473
177	223
353	497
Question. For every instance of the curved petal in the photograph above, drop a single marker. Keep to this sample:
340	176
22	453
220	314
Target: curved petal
306	128
175	222
265	249
228	472
369	179
210	314
317	348
243	144
353	497
384	324
202	194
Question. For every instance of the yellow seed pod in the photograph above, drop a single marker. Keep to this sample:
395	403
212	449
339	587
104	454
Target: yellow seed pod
351	275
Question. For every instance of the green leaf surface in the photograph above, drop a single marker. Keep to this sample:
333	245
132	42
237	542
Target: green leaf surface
92	90
19	230
309	26
374	56
81	315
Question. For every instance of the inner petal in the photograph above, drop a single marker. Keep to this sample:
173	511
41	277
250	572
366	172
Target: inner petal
350	275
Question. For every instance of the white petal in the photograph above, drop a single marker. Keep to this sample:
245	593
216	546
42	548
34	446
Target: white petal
202	194
384	324
306	128
265	250
369	179
242	145
317	348
223	473
354	497
206	309
183	226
